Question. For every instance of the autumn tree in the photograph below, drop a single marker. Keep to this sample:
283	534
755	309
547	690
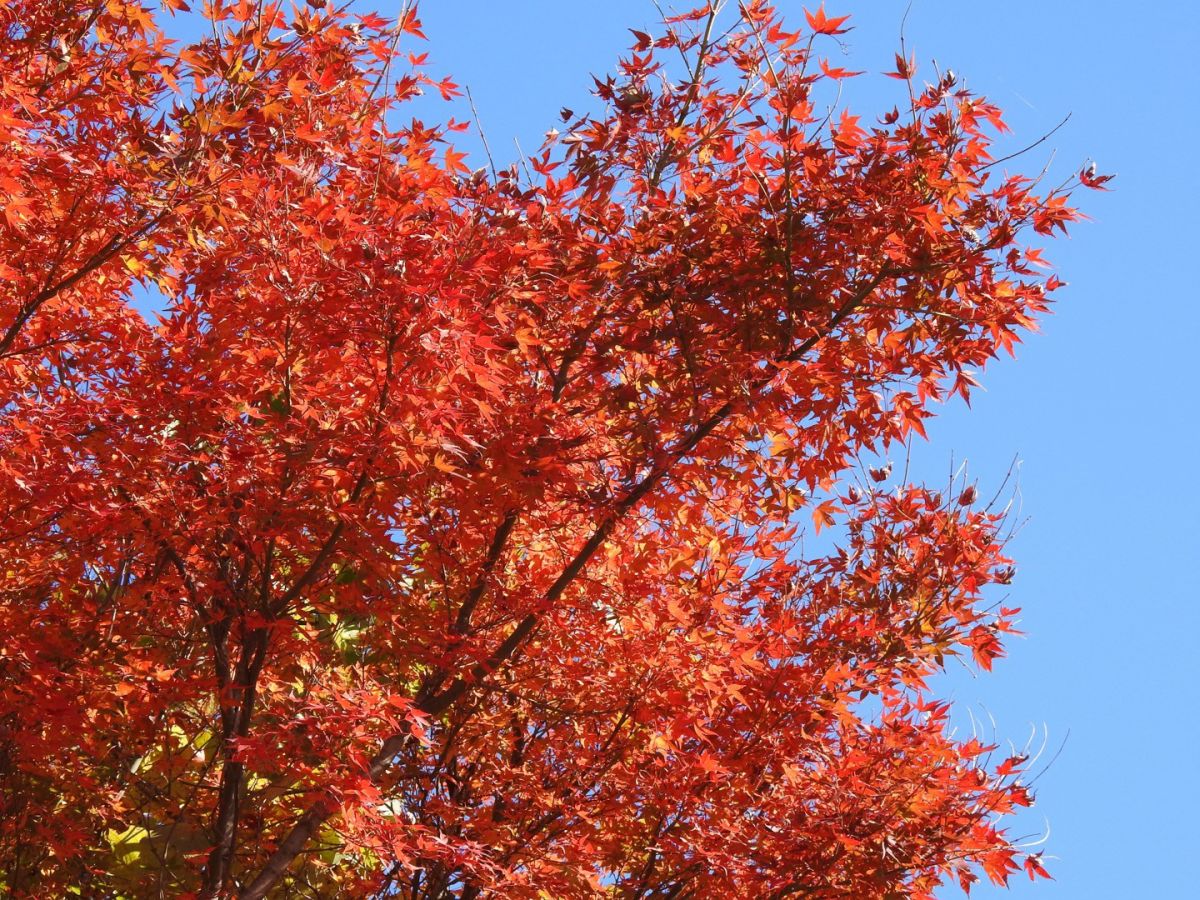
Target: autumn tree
442	535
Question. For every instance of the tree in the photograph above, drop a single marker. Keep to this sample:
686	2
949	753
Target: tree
442	537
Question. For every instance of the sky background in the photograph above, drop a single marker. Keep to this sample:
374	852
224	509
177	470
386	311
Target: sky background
1100	408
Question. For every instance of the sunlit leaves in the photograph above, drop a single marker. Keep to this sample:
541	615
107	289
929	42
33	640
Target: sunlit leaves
492	533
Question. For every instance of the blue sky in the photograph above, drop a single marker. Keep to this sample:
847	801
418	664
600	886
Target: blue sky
1100	407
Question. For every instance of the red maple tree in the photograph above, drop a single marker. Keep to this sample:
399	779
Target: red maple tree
442	535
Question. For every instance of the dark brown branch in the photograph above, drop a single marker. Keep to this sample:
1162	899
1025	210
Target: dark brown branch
106	252
220	860
462	622
317	567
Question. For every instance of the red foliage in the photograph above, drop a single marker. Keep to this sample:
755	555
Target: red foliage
441	538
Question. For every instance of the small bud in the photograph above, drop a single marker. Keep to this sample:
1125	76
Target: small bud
967	497
1005	574
880	473
853	494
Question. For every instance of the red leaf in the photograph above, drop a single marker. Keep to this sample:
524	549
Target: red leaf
822	24
1034	868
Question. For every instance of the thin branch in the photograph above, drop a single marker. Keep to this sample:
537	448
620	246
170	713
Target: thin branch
1025	150
482	136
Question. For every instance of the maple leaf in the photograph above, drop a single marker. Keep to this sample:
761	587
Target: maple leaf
822	24
1088	178
1033	867
837	73
905	68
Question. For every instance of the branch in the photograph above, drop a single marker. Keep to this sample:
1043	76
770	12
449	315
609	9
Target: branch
316	568
107	251
462	622
1026	149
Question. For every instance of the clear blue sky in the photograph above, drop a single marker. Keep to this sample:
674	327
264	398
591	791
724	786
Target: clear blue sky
1101	407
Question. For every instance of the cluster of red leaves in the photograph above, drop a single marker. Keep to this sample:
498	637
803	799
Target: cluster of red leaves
441	538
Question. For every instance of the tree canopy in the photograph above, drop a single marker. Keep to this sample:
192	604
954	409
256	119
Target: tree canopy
455	534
